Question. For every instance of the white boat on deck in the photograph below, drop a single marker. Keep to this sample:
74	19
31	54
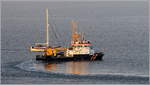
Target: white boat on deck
39	47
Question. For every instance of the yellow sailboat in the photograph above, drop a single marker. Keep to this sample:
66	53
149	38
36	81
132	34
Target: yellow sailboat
42	46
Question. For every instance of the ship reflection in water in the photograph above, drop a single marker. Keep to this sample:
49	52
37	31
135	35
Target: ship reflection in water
68	67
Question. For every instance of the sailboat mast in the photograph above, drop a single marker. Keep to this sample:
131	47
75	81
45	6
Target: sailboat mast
47	25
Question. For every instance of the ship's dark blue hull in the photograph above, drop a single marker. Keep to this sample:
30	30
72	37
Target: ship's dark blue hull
96	56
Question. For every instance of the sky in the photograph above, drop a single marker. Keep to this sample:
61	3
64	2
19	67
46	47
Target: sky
74	0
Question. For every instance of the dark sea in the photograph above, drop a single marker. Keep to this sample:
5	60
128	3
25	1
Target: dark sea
119	28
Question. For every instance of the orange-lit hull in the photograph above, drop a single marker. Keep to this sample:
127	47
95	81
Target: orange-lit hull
38	49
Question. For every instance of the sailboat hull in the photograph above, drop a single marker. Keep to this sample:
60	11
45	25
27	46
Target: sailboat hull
38	49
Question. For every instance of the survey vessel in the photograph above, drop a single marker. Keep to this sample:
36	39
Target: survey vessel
79	48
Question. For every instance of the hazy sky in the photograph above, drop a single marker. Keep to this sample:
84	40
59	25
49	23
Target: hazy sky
74	0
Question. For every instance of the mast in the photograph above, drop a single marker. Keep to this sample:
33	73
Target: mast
47	25
75	36
82	36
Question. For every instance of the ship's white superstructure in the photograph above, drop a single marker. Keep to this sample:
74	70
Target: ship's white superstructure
80	48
